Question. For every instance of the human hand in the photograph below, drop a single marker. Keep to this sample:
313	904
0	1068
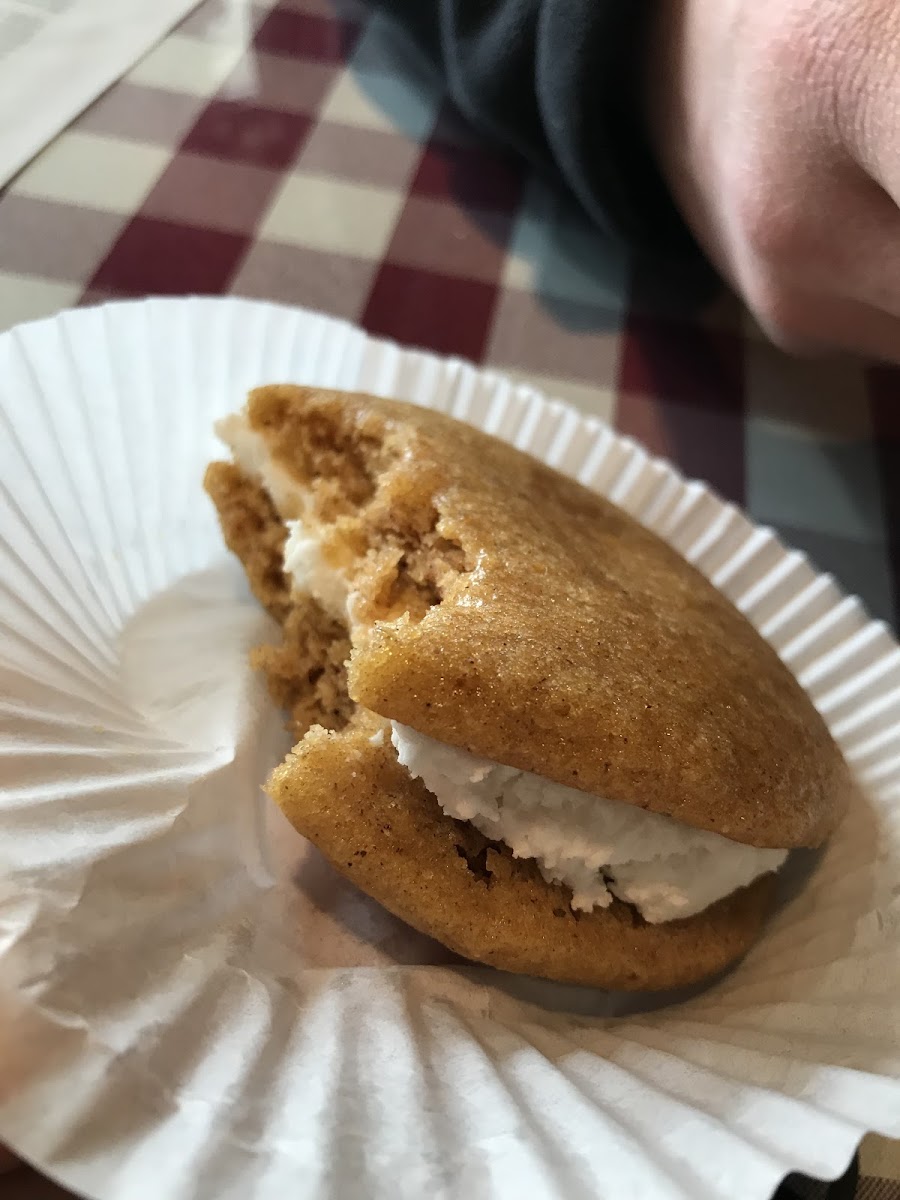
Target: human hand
777	126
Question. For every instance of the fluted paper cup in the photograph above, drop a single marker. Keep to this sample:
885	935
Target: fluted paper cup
193	1006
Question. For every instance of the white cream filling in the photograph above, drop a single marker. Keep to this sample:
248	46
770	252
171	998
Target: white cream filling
303	557
312	573
252	455
598	848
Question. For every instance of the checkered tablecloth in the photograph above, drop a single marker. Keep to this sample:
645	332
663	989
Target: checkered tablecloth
298	151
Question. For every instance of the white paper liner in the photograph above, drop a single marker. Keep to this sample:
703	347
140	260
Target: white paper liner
195	1006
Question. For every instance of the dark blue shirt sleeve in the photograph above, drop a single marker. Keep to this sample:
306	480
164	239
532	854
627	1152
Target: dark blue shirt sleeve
559	82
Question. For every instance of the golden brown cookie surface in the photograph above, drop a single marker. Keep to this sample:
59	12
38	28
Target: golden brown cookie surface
547	630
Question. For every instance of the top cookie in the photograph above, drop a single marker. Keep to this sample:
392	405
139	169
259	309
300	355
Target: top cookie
546	629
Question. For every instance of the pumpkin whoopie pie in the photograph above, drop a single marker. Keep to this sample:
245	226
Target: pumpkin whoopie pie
525	724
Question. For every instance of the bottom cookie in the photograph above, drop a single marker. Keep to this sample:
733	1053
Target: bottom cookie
381	828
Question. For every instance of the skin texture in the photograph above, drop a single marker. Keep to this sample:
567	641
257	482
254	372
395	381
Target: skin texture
775	123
